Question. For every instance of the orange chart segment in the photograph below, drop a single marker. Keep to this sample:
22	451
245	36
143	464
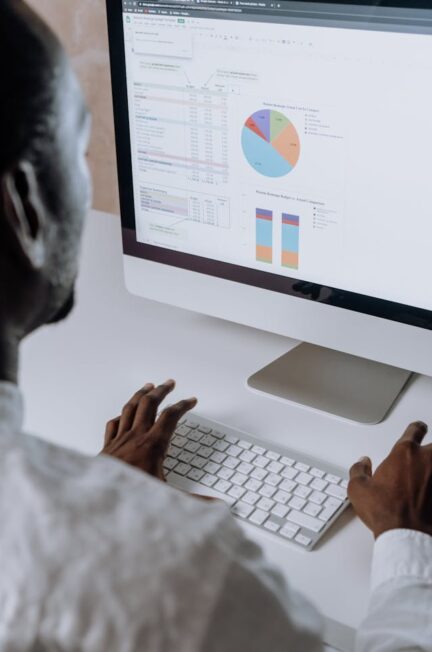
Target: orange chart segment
288	144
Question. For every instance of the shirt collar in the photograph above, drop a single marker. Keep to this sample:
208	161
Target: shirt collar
11	408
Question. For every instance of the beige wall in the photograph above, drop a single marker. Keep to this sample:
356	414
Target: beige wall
81	25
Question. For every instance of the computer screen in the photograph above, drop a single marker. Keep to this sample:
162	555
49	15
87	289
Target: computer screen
283	144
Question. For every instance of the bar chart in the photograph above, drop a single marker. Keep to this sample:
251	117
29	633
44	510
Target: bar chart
264	235
290	240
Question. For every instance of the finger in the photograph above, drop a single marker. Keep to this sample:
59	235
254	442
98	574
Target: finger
149	403
415	433
362	469
168	420
129	410
111	430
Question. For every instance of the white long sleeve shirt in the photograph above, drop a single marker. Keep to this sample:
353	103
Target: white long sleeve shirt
96	556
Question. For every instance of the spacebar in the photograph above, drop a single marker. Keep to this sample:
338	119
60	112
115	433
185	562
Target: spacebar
180	482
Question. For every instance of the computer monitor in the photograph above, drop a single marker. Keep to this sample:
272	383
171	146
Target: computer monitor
275	169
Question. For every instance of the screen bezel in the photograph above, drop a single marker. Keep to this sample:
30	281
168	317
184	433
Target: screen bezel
265	280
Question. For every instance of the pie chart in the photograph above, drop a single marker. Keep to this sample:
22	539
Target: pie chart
270	143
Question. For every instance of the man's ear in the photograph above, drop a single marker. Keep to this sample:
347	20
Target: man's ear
24	214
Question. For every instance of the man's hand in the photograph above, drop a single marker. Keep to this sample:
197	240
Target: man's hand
399	493
138	437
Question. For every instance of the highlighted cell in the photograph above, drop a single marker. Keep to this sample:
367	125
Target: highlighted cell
290	241
264	235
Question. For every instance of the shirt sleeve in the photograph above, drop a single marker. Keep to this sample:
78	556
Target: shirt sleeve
399	616
257	611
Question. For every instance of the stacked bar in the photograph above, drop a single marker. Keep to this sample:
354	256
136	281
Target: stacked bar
290	240
264	235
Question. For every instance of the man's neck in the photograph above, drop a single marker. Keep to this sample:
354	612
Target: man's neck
9	345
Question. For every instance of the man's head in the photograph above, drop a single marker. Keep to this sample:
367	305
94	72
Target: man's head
45	185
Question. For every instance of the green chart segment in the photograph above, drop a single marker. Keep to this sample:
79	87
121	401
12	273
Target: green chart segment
270	143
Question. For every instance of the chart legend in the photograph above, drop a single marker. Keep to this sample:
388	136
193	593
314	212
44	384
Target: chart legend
290	240
270	143
264	235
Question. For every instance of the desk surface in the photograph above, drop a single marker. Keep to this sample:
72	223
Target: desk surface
77	376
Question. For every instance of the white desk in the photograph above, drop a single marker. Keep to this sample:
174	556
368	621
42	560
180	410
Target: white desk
77	376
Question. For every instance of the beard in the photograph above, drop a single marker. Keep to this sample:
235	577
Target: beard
65	309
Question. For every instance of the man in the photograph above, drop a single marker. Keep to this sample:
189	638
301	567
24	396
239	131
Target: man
98	556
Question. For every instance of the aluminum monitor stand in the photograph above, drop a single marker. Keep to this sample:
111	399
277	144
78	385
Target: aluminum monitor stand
340	384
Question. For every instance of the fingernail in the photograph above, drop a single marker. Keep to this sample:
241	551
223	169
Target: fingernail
422	425
364	460
193	400
170	382
148	386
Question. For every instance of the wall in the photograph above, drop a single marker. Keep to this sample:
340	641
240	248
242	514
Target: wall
81	25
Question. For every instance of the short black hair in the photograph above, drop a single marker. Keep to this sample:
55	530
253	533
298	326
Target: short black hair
30	63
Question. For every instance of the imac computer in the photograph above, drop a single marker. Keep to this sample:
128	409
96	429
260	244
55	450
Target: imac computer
275	170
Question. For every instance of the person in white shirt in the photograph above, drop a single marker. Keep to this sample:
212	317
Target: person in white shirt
99	554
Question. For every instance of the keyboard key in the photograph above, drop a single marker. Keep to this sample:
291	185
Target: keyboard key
333	502
336	491
191	424
301	467
275	467
242	509
280	510
327	513
288	531
231	439
183	431
303	478
245	468
234	451
304	520
239	479
244	444
272	525
208	440
205	430
261	461
273	479
302	492
317	473
194	435
258	517
195	474
224	473
272	455
173	451
192	446
266	504
205	451
344	484
169	463
220	446
182	468
333	479
297	503
267	490
209	480
287	461
179	441
231	462
282	497
250	498
302	540
253	485
218	434
218	457
236	492
318	484
289	473
223	486
317	497
258	474
185	456
259	450
287	485
199	462
247	456
212	467
312	509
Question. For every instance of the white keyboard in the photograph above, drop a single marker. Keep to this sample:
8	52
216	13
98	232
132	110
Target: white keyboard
293	496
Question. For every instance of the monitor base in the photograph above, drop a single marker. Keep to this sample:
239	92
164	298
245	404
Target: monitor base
340	384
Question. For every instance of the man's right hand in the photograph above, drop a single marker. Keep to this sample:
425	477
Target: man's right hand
399	493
